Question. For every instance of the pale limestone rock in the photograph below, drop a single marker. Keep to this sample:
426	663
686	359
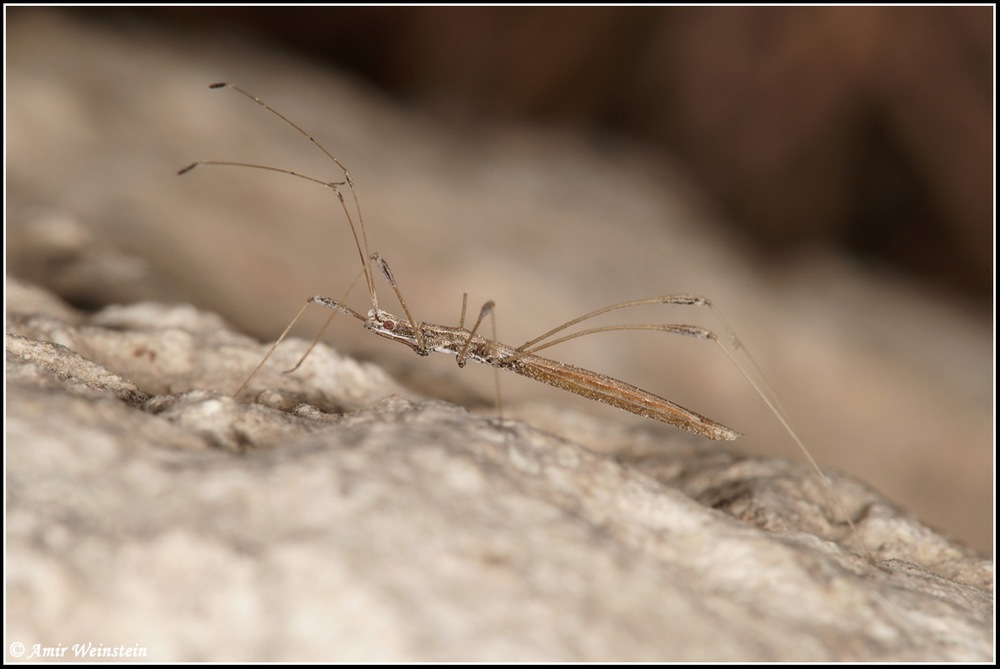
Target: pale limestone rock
146	507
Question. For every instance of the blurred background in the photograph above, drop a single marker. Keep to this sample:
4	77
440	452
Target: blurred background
824	174
868	128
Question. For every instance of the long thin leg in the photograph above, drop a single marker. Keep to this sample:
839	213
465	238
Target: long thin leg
465	303
387	273
271	350
326	324
463	354
695	300
496	370
322	301
734	349
751	371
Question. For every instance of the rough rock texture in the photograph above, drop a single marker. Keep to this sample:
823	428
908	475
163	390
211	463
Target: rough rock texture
315	521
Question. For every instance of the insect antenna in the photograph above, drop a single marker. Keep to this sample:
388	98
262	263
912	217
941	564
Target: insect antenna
360	242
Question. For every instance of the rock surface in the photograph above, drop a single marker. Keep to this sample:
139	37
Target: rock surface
327	517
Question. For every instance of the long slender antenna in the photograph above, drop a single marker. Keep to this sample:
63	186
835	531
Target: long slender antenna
362	244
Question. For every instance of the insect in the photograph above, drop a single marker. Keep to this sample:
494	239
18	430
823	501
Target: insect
466	344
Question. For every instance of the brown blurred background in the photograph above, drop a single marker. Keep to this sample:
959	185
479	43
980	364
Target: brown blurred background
869	128
824	174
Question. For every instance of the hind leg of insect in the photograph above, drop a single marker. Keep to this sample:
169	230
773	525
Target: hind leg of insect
734	349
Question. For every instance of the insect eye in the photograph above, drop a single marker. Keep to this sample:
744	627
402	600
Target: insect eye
389	325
